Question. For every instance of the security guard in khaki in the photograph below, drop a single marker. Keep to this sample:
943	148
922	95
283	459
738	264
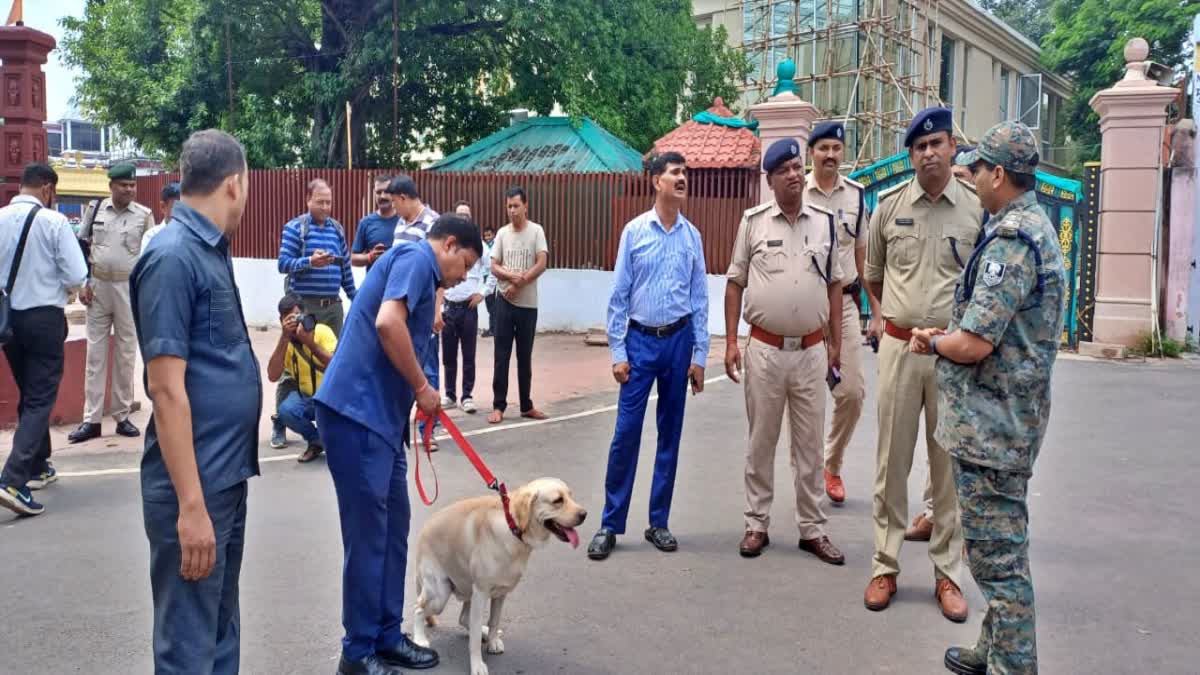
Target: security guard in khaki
114	229
921	234
786	266
845	199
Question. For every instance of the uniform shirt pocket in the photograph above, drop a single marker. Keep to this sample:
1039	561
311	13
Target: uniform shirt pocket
904	247
224	322
954	252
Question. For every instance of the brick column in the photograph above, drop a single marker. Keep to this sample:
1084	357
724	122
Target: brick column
784	115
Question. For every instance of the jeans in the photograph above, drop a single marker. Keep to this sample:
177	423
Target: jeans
297	413
462	328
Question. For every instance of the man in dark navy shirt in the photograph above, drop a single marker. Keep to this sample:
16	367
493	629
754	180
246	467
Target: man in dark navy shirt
204	381
363	406
375	233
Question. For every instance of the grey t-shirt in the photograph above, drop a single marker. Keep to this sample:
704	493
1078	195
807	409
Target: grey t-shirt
518	252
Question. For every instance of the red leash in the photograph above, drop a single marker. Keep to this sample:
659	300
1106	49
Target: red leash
485	473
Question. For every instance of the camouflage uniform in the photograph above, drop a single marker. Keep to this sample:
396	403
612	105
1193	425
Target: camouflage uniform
993	414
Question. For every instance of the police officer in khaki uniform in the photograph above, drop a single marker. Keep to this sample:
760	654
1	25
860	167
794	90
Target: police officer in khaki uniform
825	188
922	232
785	264
114	230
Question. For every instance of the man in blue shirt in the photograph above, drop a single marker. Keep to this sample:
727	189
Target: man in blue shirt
657	332
363	406
375	233
314	255
202	442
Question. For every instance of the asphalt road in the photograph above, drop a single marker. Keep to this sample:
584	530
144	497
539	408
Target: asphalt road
1114	550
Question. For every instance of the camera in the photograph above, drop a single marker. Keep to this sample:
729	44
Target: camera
307	321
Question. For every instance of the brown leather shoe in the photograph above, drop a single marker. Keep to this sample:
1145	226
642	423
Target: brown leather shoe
310	453
920	530
823	549
879	592
835	488
753	544
951	600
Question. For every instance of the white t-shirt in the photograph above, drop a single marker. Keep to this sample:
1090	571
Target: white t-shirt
150	234
518	252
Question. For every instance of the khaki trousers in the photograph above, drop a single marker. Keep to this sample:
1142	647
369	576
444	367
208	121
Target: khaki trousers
109	312
776	380
927	498
848	396
908	386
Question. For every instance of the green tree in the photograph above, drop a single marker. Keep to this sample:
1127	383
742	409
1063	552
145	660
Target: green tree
278	73
1088	44
1030	18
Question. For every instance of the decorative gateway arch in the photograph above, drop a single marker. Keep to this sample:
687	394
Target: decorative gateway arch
1061	198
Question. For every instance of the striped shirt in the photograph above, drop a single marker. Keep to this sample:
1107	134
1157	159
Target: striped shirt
418	229
295	259
660	278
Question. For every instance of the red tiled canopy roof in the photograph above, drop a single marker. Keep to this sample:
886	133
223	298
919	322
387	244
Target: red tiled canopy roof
712	146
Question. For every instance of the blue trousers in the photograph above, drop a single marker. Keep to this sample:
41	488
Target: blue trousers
664	361
298	412
370	478
197	623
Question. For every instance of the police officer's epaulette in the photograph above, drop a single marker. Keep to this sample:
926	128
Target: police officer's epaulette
137	206
820	209
854	184
1007	229
890	192
755	210
967	184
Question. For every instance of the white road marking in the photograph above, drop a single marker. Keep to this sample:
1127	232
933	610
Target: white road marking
441	437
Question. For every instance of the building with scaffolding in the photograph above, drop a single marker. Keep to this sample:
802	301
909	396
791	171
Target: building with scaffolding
873	63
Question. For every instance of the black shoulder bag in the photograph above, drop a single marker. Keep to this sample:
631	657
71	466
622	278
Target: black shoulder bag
6	327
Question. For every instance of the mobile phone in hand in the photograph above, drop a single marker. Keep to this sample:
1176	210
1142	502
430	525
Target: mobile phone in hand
833	378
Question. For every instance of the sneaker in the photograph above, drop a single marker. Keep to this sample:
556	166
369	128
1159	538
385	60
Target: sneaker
468	406
447	402
278	433
19	501
43	479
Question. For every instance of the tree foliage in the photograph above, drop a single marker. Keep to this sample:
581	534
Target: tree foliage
278	73
1030	18
1087	43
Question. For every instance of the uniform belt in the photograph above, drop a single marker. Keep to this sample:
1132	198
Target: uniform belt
897	332
109	275
321	300
660	331
787	344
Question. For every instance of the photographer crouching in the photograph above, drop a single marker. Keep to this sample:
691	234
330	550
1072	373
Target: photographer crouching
304	349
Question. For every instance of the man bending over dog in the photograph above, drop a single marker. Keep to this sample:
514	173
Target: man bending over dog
362	411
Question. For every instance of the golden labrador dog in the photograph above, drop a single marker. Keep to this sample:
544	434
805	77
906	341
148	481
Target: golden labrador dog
467	550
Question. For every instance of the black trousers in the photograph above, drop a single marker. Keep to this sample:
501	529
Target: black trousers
490	302
461	328
513	324
35	356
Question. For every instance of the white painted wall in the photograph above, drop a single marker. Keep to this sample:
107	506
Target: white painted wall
568	300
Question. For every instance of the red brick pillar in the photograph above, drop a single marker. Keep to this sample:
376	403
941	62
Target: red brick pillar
23	51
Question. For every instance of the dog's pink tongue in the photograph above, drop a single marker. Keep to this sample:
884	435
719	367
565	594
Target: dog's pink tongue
572	536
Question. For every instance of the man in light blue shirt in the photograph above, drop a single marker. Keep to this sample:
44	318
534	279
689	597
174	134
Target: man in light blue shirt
657	332
39	242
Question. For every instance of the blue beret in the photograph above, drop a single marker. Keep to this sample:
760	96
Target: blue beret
780	151
833	130
123	171
929	121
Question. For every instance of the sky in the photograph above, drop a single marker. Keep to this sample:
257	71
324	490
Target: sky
60	81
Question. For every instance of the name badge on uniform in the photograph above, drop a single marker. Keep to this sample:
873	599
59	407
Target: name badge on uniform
772	243
993	273
905	222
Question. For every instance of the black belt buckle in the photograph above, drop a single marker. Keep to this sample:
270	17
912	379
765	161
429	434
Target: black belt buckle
659	331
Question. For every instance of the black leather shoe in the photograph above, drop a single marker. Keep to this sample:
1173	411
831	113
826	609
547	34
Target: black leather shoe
126	428
406	654
965	661
368	666
662	539
602	544
84	432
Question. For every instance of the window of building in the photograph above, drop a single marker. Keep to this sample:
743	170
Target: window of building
946	77
1004	85
55	142
1029	100
84	137
962	106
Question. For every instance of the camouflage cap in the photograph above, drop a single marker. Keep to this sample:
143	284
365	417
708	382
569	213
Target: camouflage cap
1008	144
